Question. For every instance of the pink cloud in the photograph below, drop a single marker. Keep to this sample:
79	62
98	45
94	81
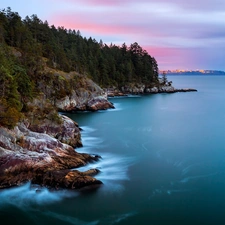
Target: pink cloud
177	58
113	24
96	24
174	32
200	5
167	57
187	58
169	38
105	2
82	24
99	2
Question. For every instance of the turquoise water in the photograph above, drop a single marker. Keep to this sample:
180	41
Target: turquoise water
163	162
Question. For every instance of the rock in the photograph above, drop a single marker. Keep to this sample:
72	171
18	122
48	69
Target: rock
89	96
152	90
166	89
26	155
171	89
142	89
113	91
67	179
133	88
67	132
68	103
99	103
185	90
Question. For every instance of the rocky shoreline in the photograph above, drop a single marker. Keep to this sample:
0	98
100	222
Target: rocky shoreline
43	153
89	97
40	149
44	158
142	89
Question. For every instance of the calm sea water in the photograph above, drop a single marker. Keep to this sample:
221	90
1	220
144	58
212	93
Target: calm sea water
163	162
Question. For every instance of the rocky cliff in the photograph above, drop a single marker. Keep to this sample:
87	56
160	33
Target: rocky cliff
72	91
44	157
40	148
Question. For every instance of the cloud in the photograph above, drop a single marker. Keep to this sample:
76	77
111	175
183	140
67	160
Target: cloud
172	32
145	24
175	24
187	58
200	5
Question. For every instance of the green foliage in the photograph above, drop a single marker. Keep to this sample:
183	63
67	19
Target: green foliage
164	78
23	74
67	50
9	116
15	87
25	86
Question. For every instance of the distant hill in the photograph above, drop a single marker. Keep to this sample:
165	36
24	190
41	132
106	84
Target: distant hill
192	72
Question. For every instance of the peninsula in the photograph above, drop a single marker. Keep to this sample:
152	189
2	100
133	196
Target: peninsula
46	70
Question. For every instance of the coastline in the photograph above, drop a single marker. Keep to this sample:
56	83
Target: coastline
143	91
45	154
42	159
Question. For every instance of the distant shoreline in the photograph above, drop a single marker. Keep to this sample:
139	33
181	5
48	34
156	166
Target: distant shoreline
191	74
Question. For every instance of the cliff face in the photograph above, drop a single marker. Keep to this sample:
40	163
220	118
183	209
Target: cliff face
72	91
40	149
67	131
89	96
44	158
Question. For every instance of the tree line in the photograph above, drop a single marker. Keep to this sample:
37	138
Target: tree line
66	50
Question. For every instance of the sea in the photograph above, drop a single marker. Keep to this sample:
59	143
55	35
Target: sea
163	163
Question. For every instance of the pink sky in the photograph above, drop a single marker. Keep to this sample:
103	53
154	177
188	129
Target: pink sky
180	34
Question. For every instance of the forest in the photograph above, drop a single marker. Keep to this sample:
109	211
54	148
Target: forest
24	43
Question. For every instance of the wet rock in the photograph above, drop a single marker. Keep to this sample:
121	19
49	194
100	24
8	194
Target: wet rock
99	103
26	155
185	90
67	179
135	88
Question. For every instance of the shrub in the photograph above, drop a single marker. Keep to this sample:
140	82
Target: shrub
10	117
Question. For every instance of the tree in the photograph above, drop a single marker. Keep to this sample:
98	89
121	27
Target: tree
164	78
154	69
9	117
24	84
67	50
4	81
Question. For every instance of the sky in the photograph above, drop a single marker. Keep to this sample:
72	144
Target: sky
180	34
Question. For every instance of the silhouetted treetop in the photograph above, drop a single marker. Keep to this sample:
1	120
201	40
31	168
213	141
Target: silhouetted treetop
67	50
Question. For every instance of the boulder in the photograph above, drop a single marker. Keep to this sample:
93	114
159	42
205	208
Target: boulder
89	96
167	89
26	155
152	90
133	88
99	103
67	131
68	179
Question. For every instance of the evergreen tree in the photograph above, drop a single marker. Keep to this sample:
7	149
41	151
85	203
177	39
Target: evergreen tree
67	50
